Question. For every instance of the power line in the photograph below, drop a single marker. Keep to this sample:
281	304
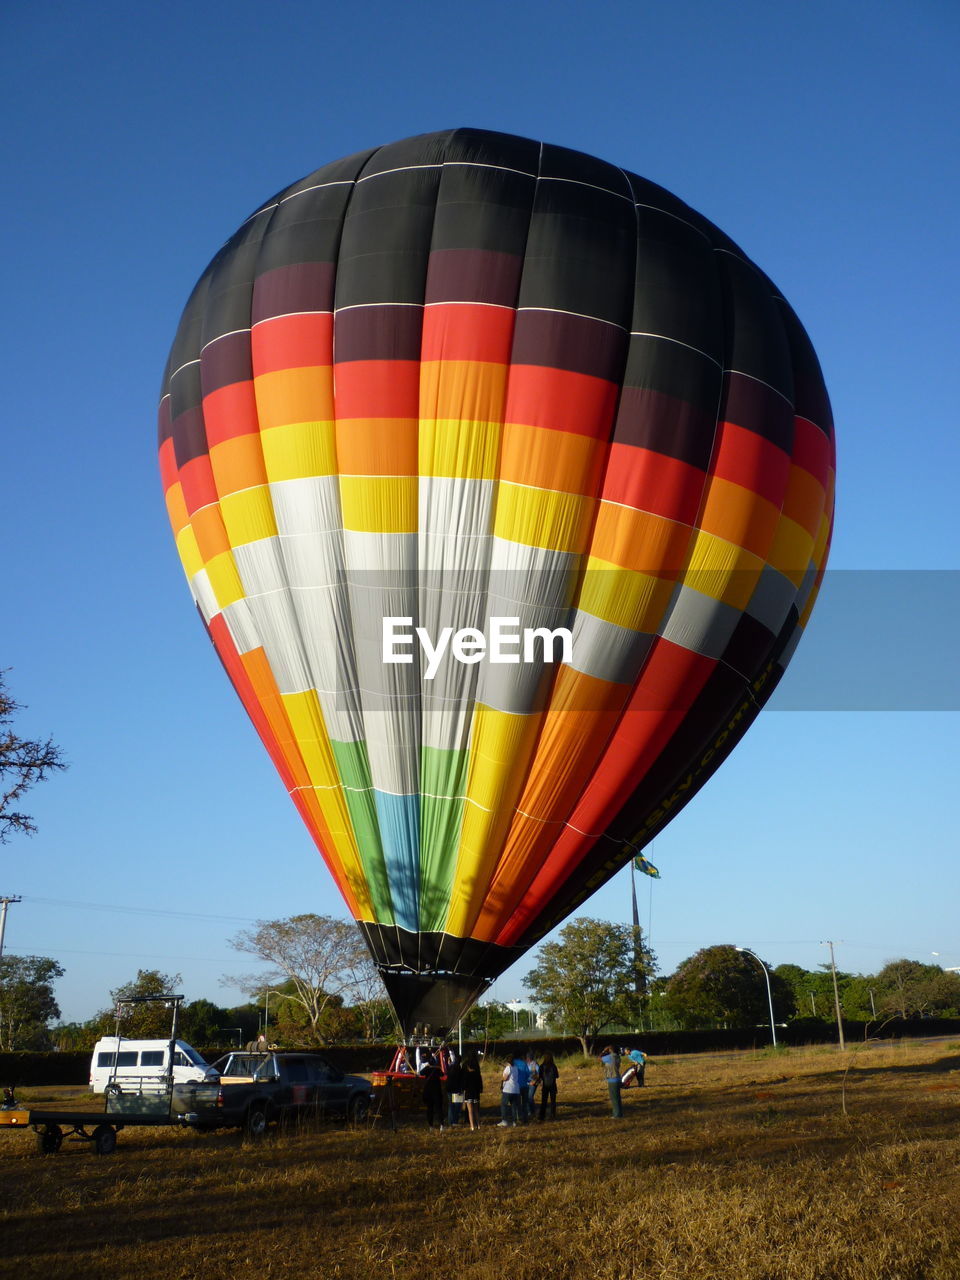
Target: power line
125	955
138	911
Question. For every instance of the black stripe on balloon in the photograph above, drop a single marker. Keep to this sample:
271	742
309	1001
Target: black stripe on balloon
810	394
488	148
753	323
231	283
226	361
670	423
677	294
480	208
581	253
472	275
758	408
284	291
378	333
577	344
189	436
386	239
435	952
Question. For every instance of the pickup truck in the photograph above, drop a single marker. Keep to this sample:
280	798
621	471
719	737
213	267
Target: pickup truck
251	1090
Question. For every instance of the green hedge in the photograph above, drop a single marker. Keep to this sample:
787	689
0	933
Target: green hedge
22	1069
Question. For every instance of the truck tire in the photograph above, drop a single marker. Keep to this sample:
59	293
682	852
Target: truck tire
255	1125
49	1139
113	1091
359	1108
104	1140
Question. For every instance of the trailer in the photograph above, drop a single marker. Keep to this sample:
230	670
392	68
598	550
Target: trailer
97	1127
146	1106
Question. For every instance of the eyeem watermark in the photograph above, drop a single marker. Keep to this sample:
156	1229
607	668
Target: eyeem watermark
506	643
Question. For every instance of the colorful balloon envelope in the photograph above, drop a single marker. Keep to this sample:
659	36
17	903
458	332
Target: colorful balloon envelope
503	482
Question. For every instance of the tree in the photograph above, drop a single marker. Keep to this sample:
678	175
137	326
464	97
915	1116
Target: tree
907	988
588	980
150	1021
321	957
202	1022
490	1021
23	762
812	991
27	1002
723	985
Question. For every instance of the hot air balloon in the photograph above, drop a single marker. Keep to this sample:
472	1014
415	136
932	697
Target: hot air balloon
503	483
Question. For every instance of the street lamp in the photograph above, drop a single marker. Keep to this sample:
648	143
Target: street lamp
266	1006
766	974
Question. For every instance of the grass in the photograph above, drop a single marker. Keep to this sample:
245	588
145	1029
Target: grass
726	1167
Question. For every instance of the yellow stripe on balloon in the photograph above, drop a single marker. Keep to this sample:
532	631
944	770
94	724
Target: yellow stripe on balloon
309	728
722	570
379	504
224	579
501	743
248	516
543	517
624	597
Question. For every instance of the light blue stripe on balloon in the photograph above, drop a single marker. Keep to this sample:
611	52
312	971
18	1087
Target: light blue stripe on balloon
399	818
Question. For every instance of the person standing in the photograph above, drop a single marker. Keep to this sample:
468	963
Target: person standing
509	1096
610	1062
523	1082
432	1078
472	1079
533	1080
454	1090
549	1075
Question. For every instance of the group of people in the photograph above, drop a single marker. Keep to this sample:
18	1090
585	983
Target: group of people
528	1088
521	1077
452	1087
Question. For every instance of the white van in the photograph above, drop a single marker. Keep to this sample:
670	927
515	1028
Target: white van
130	1066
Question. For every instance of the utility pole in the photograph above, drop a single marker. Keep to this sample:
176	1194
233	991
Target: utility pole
836	993
4	903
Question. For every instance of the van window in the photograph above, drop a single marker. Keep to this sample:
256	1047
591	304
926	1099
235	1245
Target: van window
126	1059
180	1060
104	1059
151	1058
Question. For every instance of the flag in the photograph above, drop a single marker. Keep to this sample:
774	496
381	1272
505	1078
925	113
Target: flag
646	867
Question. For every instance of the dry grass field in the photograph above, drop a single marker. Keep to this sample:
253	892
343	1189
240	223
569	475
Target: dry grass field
804	1165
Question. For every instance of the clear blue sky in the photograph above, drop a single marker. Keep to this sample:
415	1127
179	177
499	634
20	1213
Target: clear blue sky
821	137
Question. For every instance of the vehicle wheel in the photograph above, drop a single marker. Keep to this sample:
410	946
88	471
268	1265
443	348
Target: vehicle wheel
359	1108
104	1140
49	1139
256	1123
113	1091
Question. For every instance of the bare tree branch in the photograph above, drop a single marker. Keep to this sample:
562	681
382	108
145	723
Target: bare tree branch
23	763
322	958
